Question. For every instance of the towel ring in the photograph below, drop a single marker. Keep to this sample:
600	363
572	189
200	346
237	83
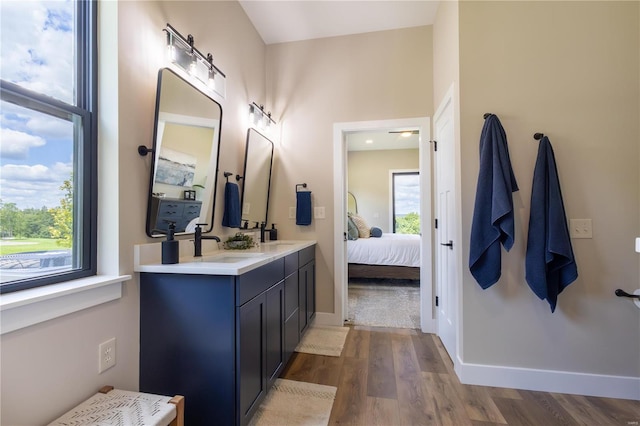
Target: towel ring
226	175
304	185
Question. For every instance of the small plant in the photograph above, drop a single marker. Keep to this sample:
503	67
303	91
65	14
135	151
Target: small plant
239	241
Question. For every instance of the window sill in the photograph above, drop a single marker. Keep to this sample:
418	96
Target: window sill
28	307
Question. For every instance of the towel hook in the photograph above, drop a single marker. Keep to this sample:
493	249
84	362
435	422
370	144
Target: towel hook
538	136
486	115
304	185
226	175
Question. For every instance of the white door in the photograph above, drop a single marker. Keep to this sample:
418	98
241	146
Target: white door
446	243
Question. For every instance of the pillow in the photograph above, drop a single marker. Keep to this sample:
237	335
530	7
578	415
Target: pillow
352	233
376	232
363	227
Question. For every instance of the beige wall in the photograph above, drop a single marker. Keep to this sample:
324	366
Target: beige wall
368	181
314	84
50	367
570	70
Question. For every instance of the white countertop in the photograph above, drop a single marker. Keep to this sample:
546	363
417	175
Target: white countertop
147	258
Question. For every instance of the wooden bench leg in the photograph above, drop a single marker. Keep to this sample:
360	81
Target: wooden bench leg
178	400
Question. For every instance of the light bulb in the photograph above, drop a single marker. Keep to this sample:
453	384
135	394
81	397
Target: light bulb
171	53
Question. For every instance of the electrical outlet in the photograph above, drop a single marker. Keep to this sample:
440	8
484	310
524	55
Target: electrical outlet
106	355
292	212
580	228
318	212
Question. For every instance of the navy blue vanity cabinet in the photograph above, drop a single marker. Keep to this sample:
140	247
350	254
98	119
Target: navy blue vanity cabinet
291	302
260	348
221	341
306	287
188	342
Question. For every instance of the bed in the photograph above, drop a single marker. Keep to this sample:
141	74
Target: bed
389	256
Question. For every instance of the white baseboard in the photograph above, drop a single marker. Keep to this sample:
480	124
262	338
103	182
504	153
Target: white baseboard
550	381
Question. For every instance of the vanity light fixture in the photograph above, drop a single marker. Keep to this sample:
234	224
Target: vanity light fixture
182	53
259	118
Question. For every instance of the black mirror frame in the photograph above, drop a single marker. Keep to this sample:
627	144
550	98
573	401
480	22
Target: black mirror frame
244	172
153	158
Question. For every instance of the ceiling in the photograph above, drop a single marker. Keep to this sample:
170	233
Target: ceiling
285	21
379	140
279	21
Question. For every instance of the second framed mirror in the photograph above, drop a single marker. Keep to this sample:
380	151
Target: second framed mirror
258	163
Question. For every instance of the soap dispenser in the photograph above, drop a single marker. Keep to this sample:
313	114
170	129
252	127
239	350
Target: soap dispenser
273	232
170	247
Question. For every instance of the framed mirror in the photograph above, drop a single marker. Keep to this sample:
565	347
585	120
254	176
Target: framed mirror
258	162
186	146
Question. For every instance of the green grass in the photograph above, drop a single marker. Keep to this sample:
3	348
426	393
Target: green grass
21	245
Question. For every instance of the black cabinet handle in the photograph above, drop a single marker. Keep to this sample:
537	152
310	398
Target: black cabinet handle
449	244
622	293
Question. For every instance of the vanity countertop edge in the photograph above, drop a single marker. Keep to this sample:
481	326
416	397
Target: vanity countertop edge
147	258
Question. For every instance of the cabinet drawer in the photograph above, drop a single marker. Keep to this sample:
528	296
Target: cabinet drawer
191	210
254	282
306	255
290	264
169	209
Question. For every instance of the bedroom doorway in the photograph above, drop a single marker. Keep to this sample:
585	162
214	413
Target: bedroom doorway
380	216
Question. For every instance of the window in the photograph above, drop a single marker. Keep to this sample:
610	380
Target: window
48	125
405	195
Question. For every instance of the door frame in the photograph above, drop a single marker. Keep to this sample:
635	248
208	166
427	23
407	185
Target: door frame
422	124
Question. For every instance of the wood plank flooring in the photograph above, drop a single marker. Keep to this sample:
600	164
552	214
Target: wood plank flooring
389	377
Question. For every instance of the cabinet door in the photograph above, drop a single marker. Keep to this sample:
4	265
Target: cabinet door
310	272
307	294
251	365
275	332
302	299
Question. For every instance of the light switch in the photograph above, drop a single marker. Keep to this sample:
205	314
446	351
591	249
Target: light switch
318	212
292	212
580	228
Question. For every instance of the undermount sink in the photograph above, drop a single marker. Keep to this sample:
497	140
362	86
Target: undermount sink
229	257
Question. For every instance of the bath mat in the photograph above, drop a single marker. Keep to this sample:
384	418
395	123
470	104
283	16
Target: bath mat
295	403
323	340
384	305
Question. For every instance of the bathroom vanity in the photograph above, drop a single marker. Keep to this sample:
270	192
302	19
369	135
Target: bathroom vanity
219	329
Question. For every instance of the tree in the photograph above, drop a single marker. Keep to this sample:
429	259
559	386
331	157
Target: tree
9	219
408	224
63	217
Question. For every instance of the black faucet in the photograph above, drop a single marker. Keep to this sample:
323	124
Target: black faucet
198	237
263	227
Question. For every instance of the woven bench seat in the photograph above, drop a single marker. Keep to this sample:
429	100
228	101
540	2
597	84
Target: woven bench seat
114	407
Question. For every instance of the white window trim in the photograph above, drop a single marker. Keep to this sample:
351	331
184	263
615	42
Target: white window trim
24	308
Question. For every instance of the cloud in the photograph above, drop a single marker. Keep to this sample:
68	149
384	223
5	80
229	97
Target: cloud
37	173
34	186
16	145
37	46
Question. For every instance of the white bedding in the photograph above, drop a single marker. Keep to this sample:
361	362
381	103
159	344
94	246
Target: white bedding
390	249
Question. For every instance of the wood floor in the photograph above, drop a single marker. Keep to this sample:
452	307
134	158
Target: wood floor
394	377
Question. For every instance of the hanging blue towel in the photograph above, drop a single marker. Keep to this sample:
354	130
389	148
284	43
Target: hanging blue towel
232	215
493	221
550	265
303	208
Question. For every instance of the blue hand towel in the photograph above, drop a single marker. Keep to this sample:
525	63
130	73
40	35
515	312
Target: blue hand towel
232	214
493	218
303	208
550	265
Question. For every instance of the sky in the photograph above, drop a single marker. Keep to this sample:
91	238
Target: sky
36	52
407	194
